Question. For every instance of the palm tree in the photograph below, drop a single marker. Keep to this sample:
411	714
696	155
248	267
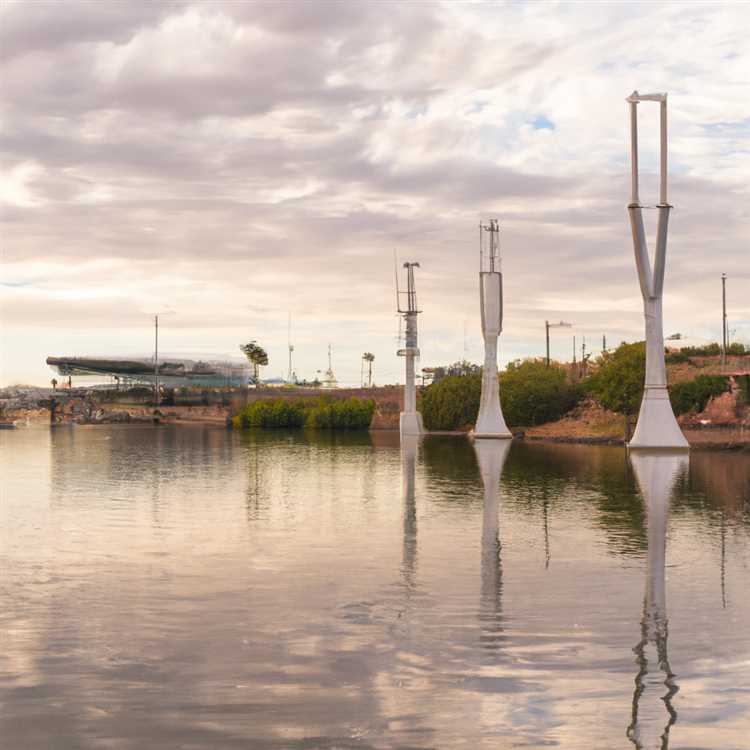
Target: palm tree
257	356
369	358
54	383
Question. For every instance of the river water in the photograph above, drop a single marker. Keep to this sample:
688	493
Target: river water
189	587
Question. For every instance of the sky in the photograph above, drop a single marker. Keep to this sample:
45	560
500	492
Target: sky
228	164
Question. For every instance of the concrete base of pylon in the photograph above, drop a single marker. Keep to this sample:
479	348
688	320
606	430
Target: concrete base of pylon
410	424
657	426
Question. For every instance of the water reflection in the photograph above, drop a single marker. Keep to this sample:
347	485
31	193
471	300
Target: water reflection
491	455
653	712
409	447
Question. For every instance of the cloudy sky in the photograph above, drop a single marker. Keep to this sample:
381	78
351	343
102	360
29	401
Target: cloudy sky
234	162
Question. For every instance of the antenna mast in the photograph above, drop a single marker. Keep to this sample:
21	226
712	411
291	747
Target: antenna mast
410	420
490	422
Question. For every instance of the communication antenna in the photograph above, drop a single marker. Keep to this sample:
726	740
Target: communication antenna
410	421
329	381
490	422
657	426
289	344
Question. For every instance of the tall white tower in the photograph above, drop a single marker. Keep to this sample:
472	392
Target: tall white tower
657	426
410	421
490	422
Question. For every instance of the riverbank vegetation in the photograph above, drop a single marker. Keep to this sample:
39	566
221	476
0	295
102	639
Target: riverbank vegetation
324	413
532	394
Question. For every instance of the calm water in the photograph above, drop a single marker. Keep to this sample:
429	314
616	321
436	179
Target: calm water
193	588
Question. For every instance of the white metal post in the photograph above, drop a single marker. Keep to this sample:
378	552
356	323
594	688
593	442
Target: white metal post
657	426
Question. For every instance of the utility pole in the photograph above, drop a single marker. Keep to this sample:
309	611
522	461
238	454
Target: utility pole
724	341
547	326
156	360
291	348
574	349
604	342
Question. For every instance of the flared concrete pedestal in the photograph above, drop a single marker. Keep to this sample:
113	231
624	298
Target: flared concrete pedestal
410	424
657	426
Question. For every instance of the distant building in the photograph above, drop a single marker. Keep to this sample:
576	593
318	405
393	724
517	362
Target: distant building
172	373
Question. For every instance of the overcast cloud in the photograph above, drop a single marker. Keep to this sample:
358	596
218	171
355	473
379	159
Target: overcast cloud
236	161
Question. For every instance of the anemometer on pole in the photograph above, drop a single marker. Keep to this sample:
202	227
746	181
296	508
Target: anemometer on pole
410	421
490	422
657	426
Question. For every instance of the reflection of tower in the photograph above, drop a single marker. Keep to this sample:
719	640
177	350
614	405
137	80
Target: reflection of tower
409	444
410	421
490	422
649	728
657	426
491	456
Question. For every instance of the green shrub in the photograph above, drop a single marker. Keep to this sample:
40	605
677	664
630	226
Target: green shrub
320	413
452	403
617	383
737	349
693	395
533	393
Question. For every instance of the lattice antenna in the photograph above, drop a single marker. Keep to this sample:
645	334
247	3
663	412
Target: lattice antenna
489	246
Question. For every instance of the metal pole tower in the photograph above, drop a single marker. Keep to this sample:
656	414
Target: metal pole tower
657	426
156	360
724	337
547	326
490	421
410	421
291	348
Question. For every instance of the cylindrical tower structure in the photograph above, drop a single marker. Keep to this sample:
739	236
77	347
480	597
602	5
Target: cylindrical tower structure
490	421
657	426
410	420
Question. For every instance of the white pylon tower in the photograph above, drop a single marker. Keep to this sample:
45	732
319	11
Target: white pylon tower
490	422
410	421
657	426
653	714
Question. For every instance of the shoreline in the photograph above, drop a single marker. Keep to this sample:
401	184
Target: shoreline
713	438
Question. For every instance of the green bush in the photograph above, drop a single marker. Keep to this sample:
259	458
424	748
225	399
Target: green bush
737	349
319	413
617	383
533	393
693	395
452	403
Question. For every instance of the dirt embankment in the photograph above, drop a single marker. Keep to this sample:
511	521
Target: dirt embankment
723	424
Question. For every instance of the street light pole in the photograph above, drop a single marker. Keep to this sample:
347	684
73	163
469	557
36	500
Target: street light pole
724	341
547	326
156	360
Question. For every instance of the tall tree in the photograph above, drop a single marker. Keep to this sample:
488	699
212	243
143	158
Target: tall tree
369	358
257	356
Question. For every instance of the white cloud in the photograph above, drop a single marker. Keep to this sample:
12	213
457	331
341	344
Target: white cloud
237	161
